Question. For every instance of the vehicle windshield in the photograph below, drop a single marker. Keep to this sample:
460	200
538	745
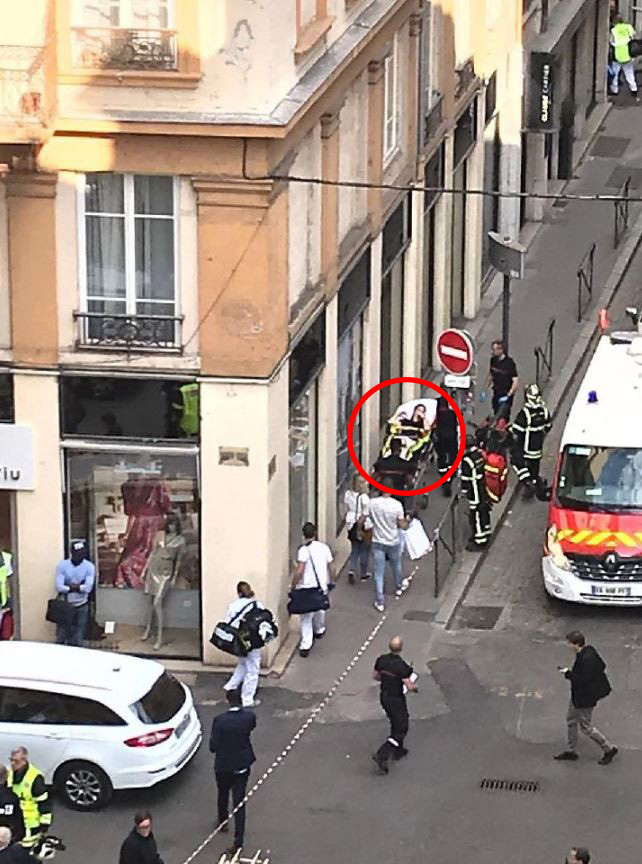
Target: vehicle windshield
162	702
600	478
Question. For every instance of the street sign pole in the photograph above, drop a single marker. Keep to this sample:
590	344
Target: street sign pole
506	311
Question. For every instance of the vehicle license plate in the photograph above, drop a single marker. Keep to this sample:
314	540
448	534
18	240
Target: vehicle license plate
611	590
182	726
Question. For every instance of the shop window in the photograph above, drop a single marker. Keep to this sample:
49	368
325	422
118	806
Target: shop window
428	298
391	102
492	159
149	408
303	438
307	358
128	275
396	238
139	515
349	391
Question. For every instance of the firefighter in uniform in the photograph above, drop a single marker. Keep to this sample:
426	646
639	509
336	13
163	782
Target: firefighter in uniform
529	429
28	783
473	482
10	809
446	440
396	678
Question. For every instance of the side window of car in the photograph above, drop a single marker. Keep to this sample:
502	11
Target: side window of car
88	712
20	705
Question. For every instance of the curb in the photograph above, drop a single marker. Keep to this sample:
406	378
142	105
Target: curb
459	586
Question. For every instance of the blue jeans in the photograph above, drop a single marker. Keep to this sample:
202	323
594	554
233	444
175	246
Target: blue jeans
74	632
359	557
383	553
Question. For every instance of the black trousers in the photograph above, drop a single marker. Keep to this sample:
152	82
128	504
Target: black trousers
480	525
397	713
236	784
446	449
527	470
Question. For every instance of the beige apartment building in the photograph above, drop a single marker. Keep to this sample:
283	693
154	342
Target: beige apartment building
184	327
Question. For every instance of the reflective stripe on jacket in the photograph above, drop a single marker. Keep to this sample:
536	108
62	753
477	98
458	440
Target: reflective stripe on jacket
473	477
530	427
28	801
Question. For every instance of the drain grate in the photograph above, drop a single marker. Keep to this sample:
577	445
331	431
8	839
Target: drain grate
492	784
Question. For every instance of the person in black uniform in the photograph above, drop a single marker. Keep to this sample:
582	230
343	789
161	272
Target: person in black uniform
10	809
230	741
12	853
473	482
396	677
503	376
446	440
529	429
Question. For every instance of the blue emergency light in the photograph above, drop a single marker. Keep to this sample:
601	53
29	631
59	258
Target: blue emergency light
592	397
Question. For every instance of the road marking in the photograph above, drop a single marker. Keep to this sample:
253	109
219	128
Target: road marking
302	729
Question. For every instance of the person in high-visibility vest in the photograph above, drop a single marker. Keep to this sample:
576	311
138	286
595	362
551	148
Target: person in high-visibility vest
28	783
6	571
190	420
620	39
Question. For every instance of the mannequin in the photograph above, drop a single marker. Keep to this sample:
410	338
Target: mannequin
160	574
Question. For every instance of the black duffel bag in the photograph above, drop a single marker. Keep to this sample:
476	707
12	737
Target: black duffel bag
59	611
231	639
304	600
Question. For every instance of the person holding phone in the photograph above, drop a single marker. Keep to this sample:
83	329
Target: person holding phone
396	678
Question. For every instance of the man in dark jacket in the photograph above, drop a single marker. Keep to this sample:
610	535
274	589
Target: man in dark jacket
588	684
231	744
10	809
12	853
396	678
140	846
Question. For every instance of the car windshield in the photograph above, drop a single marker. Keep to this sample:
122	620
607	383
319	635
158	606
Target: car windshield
162	702
600	478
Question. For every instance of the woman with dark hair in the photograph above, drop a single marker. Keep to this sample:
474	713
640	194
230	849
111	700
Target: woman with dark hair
246	674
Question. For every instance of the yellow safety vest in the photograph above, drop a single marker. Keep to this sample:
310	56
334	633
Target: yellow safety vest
621	35
190	418
4	578
29	803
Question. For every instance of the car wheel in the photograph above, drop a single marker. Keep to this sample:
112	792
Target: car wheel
83	786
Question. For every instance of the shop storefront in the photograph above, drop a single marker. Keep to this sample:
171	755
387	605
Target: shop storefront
464	141
353	297
396	239
131	492
433	179
306	363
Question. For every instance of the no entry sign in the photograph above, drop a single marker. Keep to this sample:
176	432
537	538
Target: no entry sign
455	351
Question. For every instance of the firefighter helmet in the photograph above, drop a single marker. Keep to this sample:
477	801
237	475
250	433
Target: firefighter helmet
532	393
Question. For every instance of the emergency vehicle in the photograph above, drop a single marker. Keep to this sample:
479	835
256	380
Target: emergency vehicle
593	548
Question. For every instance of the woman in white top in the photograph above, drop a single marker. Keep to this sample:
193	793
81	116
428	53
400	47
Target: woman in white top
246	674
359	525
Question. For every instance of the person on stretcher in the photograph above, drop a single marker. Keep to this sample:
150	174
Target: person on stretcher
412	424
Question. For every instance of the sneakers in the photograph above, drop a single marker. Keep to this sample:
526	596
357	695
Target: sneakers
304	652
366	577
382	768
320	634
608	757
379	607
569	756
232	850
253	704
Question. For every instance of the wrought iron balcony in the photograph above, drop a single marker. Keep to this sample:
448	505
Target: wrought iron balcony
140	332
23	94
119	48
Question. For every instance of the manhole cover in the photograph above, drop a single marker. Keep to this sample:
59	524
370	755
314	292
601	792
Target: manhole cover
478	617
610	146
418	615
619	175
495	785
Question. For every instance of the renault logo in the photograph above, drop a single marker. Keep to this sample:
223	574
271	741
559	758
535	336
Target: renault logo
611	563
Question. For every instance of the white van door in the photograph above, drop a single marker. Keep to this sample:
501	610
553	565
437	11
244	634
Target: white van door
33	719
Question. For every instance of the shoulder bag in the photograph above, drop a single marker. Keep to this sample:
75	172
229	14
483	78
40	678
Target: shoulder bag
230	639
304	600
59	611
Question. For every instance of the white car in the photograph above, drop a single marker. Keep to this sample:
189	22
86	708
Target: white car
94	721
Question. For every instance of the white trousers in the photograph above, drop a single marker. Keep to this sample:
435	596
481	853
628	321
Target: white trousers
629	74
246	676
312	623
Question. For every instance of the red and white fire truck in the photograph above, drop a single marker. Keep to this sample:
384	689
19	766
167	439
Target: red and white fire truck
593	548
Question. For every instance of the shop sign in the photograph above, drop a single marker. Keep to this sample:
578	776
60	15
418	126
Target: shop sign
540	92
16	457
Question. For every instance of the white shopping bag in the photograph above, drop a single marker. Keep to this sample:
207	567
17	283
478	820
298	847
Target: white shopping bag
416	542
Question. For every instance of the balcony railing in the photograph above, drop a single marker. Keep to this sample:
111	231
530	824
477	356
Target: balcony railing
118	48
23	95
140	332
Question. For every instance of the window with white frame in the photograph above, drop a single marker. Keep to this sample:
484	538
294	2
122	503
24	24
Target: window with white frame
134	14
128	241
391	104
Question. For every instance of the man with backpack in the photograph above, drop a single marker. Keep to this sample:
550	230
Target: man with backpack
253	618
529	429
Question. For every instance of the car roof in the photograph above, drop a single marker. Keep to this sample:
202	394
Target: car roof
41	663
615	420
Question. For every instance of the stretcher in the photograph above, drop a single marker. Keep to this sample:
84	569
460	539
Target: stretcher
416	444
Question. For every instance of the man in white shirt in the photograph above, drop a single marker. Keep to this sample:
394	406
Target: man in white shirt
387	516
313	569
